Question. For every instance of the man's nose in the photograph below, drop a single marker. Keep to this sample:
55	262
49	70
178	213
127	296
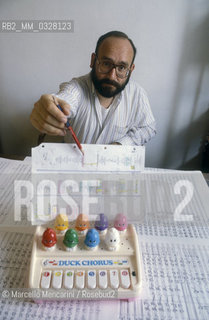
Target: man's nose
112	74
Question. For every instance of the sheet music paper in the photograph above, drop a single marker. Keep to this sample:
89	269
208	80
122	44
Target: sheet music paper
11	170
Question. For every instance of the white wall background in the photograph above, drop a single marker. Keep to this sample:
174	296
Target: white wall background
171	64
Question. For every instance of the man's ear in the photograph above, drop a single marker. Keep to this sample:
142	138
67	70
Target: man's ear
93	57
132	67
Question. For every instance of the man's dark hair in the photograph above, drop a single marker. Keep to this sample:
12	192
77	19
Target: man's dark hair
117	34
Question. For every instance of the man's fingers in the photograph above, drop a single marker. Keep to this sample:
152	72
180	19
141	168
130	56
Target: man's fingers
48	129
46	116
48	104
64	105
52	102
49	119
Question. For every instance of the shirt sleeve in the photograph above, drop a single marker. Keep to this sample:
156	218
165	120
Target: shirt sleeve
144	128
70	92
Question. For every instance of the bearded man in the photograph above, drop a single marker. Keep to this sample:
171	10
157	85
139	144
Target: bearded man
104	106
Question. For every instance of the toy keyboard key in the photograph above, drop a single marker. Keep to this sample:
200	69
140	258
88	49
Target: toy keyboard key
91	279
45	279
57	279
102	279
68	279
80	279
114	279
125	279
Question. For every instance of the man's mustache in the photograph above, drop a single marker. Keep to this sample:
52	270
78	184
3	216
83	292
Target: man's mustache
112	82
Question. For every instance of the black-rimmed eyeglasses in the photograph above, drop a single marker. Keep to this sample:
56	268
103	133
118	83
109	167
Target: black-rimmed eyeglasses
105	66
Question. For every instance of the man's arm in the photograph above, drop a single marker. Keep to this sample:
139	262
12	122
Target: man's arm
144	125
138	135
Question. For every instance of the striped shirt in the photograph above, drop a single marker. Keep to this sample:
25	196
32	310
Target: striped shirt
129	120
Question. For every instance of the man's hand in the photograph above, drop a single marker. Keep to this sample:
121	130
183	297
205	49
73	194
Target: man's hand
47	118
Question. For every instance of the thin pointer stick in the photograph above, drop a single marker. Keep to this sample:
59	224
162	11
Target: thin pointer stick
70	129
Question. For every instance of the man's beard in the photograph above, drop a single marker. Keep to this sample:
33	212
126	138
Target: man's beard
107	91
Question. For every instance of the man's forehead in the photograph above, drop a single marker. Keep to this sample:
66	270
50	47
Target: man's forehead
119	47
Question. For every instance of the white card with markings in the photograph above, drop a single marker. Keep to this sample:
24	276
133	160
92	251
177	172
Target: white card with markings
53	157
